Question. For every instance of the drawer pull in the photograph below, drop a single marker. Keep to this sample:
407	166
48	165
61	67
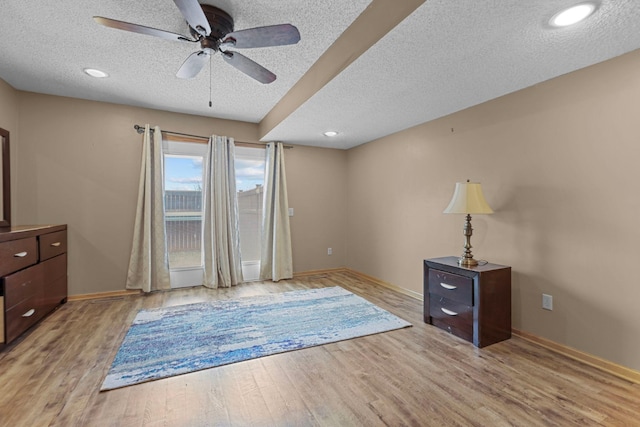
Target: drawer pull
55	244
21	254
448	312
449	287
29	313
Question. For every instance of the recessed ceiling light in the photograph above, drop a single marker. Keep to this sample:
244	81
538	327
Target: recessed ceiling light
95	73
331	133
572	15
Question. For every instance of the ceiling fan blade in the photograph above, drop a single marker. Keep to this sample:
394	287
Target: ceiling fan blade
192	12
192	65
272	35
249	67
140	29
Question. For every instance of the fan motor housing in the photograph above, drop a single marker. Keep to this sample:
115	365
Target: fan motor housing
221	24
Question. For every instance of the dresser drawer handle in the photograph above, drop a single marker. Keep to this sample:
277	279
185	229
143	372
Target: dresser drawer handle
29	313
448	312
56	244
449	287
20	254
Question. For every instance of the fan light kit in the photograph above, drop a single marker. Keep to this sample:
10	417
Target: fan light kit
331	133
213	29
572	15
95	73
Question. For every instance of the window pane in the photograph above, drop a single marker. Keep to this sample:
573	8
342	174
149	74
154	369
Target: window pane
183	205
250	164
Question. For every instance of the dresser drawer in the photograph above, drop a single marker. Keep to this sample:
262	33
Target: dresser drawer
55	282
22	285
2	340
452	316
21	317
55	294
451	286
18	254
53	244
55	268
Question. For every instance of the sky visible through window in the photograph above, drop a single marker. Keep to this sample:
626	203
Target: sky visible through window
185	172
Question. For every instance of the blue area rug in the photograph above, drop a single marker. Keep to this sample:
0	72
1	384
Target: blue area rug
176	340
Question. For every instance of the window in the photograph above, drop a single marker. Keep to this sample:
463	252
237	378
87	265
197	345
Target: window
250	164
183	184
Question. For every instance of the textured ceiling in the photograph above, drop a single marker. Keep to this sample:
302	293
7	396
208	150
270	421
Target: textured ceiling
450	55
445	56
46	44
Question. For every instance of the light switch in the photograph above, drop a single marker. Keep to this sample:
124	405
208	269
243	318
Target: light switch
290	211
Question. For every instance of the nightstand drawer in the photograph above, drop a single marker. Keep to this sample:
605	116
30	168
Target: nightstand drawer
451	286
452	316
465	334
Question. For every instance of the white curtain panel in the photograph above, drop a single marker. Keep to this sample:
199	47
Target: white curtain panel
149	262
276	261
221	238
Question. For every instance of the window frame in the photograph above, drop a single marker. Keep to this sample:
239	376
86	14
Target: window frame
181	277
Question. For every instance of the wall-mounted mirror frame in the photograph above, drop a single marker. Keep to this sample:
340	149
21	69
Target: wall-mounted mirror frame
5	185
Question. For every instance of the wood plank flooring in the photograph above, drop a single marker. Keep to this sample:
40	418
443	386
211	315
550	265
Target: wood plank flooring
418	376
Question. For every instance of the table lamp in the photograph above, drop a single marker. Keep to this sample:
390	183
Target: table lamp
468	199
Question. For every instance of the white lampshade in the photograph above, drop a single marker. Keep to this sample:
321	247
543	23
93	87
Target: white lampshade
468	199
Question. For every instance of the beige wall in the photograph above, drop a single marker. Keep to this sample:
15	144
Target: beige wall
557	161
317	192
559	165
79	164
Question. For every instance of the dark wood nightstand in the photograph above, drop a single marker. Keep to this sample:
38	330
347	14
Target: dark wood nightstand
473	303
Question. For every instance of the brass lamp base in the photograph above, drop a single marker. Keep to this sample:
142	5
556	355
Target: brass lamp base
466	260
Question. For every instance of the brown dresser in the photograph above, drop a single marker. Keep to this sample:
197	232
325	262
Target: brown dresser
33	276
473	303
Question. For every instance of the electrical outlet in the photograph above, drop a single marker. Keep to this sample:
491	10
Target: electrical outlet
329	251
547	302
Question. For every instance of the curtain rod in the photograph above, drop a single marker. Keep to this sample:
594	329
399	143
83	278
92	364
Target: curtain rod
140	130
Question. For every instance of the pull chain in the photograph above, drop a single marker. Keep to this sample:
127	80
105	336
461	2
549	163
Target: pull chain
210	79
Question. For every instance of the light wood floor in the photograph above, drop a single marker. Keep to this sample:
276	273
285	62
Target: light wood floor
418	376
